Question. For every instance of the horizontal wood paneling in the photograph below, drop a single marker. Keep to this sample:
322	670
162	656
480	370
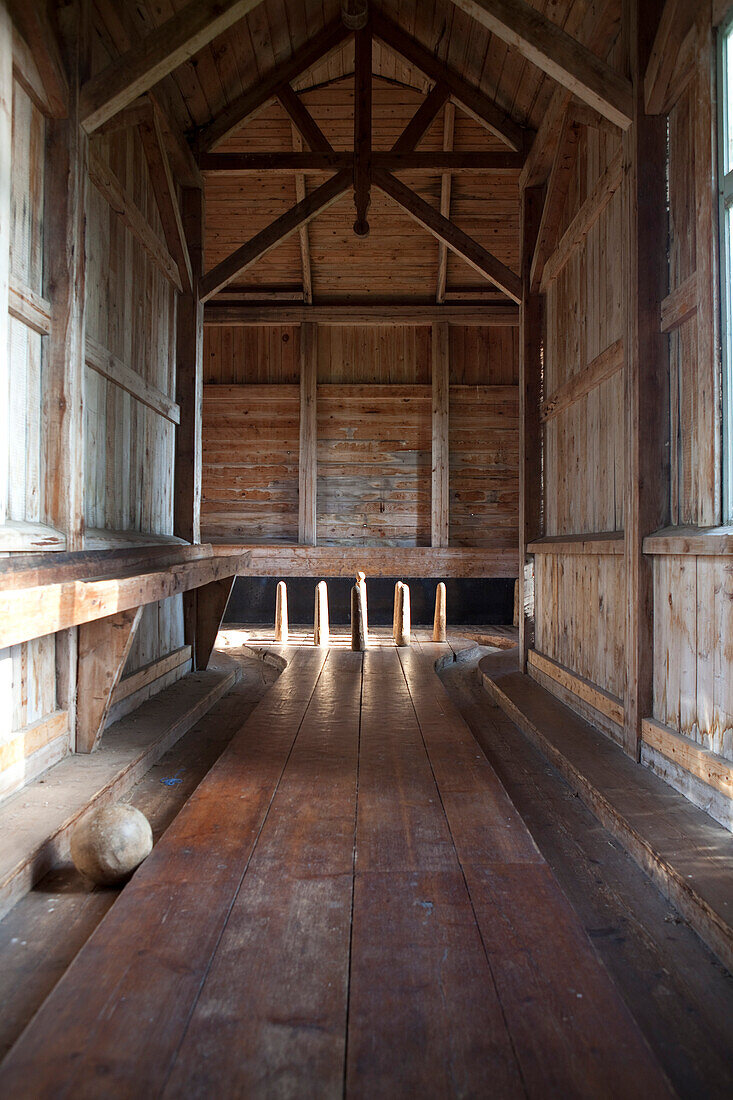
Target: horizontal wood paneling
374	465
250	463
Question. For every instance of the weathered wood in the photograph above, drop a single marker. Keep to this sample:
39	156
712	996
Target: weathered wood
459	242
303	120
383	561
308	461
712	769
679	305
557	189
189	378
604	542
6	137
599	370
104	645
211	604
600	700
38	31
363	606
647	371
402	615
422	120
318	48
112	368
584	220
449	118
358	637
148	674
563	58
531	345
440	494
162	50
473	101
166	197
440	619
691	541
321	629
27	73
504	314
65	287
424	161
108	185
305	256
281	613
30	308
676	20
282	228
362	127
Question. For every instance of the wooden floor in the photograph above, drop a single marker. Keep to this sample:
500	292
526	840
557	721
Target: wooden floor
348	903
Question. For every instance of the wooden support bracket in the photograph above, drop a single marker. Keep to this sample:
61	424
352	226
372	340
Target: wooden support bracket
211	603
104	645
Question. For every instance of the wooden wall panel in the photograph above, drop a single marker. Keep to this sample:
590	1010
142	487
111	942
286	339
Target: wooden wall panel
254	356
250	466
374	465
484	465
384	354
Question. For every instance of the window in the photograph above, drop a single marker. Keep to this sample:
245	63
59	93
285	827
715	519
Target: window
725	187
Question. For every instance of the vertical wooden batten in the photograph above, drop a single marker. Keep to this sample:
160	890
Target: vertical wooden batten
530	427
6	132
307	465
440	507
647	367
189	378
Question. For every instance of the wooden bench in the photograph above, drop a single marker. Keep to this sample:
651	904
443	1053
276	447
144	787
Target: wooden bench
349	897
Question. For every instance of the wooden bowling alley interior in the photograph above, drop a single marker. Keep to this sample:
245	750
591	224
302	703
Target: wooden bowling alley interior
366	549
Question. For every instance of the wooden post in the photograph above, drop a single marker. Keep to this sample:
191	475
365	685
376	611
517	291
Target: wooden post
440	630
6	137
104	645
530	428
439	523
211	603
402	615
308	464
66	175
321	628
281	613
647	367
189	378
358	633
361	585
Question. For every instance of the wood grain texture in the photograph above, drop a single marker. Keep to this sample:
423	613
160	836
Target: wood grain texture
104	645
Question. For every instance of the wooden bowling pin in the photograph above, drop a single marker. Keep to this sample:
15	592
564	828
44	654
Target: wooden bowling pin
281	613
439	622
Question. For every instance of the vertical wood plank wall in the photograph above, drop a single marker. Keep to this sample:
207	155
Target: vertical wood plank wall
373	435
128	445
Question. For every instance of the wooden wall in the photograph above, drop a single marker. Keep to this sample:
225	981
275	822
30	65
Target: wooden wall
374	435
126	446
581	588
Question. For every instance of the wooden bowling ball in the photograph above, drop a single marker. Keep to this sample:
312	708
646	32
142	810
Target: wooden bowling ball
110	843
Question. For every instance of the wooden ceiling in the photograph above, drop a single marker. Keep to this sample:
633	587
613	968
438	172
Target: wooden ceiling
398	260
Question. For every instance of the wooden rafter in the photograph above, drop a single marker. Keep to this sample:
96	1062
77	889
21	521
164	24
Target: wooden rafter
562	57
32	20
303	120
166	197
494	313
362	128
331	38
275	233
468	97
557	190
421	121
459	242
428	163
449	119
151	59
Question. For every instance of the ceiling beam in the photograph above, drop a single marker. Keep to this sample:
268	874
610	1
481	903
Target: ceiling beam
474	254
318	48
674	24
467	96
503	314
166	197
275	233
557	190
562	57
303	120
158	54
431	163
422	120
